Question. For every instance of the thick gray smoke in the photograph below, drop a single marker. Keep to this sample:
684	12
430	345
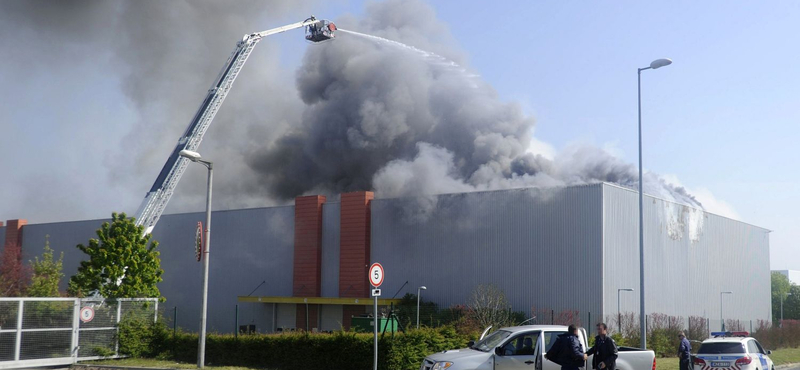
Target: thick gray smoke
154	60
359	113
380	117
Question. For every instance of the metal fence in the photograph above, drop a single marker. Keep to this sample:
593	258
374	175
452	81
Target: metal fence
59	331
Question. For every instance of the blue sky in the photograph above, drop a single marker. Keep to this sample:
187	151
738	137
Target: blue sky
721	120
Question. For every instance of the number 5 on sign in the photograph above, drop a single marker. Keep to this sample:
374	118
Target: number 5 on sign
376	274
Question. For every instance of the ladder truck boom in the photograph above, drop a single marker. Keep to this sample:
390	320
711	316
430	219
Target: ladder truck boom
155	201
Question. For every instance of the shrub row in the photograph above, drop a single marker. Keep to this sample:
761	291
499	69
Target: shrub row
773	336
341	350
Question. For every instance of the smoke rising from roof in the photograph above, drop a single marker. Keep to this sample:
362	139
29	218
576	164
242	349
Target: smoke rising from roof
358	114
380	117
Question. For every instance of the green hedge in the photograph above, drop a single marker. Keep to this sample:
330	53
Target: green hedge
341	350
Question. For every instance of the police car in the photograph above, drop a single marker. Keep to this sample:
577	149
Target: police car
732	351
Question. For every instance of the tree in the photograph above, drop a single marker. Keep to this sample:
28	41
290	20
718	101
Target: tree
122	263
488	306
780	287
13	274
47	273
791	304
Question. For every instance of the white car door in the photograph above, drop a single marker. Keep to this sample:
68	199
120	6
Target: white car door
518	353
765	354
759	355
548	339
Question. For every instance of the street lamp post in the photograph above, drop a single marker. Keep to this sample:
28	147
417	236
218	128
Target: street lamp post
419	290
656	64
619	312
721	318
201	351
782	298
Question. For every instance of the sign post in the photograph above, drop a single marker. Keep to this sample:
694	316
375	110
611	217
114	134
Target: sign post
376	279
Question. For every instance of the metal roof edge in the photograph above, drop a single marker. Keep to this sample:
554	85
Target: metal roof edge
685	205
591	184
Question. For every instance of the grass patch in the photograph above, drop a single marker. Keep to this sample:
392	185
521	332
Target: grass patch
785	356
670	363
146	362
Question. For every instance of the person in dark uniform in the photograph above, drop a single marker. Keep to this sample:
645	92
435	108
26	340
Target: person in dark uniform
604	350
570	350
684	352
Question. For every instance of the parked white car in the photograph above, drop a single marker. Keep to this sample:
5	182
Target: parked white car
732	351
524	347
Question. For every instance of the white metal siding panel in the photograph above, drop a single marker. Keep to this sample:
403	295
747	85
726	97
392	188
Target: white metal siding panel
330	250
542	247
690	257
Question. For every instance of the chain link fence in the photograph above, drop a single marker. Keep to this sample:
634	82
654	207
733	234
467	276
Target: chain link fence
57	331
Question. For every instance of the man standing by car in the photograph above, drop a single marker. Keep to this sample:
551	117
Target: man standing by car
604	350
684	352
567	351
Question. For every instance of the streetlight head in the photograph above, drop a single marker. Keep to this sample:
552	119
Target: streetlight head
190	155
658	63
727	292
423	288
628	289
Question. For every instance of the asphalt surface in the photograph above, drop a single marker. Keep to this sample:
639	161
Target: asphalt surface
793	367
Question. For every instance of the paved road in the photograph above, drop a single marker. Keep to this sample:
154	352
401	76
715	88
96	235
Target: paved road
793	367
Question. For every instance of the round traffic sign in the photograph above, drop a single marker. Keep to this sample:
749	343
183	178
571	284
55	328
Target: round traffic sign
376	274
87	314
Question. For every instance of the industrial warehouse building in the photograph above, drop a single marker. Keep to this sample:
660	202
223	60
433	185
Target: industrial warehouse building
570	248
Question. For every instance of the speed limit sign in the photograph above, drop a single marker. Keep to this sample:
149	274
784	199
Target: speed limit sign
376	274
87	314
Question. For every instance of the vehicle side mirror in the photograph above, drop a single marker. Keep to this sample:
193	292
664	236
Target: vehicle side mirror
498	351
769	352
470	343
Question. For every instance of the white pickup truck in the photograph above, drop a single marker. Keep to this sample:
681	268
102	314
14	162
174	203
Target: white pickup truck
523	347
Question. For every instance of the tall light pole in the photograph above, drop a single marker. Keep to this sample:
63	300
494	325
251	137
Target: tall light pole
419	290
656	64
721	318
780	325
619	313
201	350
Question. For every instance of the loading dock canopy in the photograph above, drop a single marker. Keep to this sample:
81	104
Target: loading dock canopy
318	300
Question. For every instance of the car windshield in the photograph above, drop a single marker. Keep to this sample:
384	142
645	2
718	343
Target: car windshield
721	347
492	341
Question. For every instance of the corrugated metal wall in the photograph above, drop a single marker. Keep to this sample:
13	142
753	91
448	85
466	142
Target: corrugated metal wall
248	246
690	257
330	250
546	248
542	247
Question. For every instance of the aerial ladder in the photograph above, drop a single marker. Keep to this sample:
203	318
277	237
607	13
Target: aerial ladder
317	30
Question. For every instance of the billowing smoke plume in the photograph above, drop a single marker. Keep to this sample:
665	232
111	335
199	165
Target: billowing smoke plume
380	117
115	83
359	113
